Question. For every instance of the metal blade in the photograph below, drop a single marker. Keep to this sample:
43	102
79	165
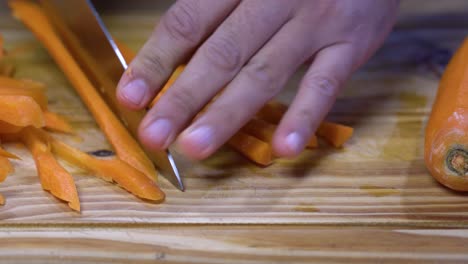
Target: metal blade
84	25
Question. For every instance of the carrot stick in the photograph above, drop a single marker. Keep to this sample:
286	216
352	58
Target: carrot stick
253	148
125	145
20	111
56	123
5	168
446	137
126	176
54	178
168	84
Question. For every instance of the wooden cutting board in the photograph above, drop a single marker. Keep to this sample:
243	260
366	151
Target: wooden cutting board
371	201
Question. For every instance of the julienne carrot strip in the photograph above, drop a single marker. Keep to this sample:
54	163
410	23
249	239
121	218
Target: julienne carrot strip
125	145
20	111
126	176
54	178
56	123
253	148
335	134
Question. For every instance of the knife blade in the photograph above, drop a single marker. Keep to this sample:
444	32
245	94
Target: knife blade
85	25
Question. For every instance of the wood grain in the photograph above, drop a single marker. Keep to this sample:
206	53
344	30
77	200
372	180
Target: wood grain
372	201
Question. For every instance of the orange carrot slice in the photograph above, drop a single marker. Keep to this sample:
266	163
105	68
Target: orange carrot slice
335	134
253	148
54	178
5	168
20	111
54	122
125	145
115	170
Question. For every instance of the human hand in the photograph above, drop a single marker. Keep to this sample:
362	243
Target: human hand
251	48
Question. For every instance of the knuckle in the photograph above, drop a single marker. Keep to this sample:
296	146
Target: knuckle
153	63
183	100
223	52
182	21
324	85
262	74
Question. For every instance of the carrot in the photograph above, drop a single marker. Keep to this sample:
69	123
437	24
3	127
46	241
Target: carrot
335	134
6	154
125	145
2	200
54	178
2	50
127	53
126	176
56	123
20	111
168	84
7	69
5	168
253	148
446	137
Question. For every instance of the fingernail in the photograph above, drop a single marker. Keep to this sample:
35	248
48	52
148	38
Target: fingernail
295	142
135	91
159	131
201	138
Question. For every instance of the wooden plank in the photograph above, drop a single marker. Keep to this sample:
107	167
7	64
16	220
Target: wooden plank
233	244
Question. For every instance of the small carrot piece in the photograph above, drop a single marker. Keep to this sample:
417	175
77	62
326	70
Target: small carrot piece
7	154
126	176
54	178
5	168
55	122
253	148
446	137
2	199
272	112
335	134
20	111
126	147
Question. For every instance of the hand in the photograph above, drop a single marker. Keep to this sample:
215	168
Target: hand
251	48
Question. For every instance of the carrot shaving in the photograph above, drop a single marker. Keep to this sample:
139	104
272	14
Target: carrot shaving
251	147
125	145
20	111
54	178
55	122
23	88
115	170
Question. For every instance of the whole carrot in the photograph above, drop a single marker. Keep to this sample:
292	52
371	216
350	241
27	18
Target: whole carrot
446	139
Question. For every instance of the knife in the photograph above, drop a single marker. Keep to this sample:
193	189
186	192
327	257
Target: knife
84	25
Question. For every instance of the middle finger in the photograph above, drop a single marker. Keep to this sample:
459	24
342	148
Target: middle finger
215	63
